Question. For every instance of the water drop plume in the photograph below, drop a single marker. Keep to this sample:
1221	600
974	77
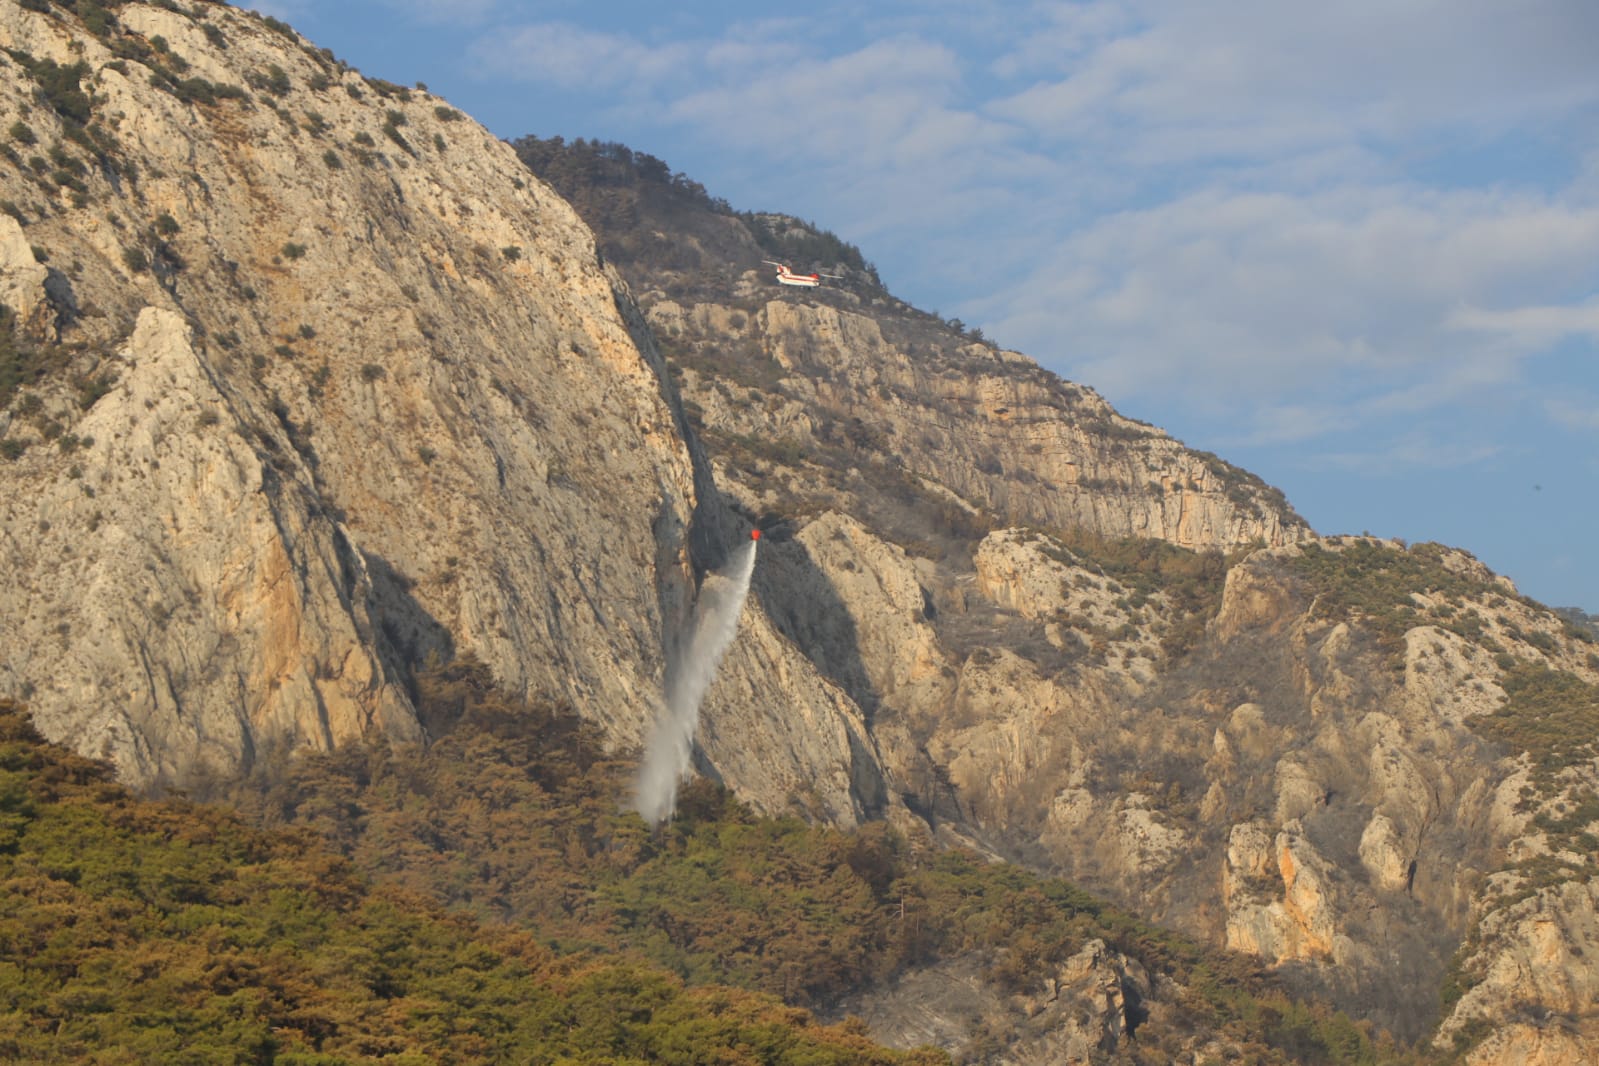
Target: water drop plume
669	752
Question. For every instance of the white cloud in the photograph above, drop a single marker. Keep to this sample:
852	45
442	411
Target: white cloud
1412	451
1578	411
1235	303
880	104
1533	324
572	57
1293	423
441	12
1169	79
1230	209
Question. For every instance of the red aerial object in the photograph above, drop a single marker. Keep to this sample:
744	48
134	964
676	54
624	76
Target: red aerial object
755	534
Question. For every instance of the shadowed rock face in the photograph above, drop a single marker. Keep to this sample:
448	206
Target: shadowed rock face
366	393
328	382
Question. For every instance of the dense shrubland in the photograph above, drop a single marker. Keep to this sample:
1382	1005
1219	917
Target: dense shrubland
137	931
515	816
612	186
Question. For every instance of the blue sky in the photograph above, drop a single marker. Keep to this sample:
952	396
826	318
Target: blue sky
1352	247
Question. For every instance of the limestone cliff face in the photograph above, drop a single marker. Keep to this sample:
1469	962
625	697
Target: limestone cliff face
1086	1010
338	384
319	380
1309	752
177	597
1308	783
987	425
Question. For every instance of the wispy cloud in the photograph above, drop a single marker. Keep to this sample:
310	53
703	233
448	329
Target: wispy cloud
1273	291
440	12
1183	78
1579	411
1283	221
1534	324
572	57
1406	454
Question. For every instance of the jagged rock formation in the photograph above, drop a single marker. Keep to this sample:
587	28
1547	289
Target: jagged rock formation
338	386
1298	753
985	425
182	596
306	378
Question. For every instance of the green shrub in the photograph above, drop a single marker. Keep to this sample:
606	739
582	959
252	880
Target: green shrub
391	130
61	89
90	387
96	19
279	26
1552	715
1377	582
387	89
719	895
199	90
276	81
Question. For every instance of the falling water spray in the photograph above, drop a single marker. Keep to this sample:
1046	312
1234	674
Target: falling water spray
715	622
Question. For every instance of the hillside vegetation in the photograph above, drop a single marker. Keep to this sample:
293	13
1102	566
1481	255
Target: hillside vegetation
513	818
313	398
1073	685
139	932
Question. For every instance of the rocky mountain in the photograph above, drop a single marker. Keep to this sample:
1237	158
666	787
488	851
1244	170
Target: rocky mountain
318	381
1111	657
306	379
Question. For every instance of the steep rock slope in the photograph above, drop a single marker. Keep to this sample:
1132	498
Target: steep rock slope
313	380
1368	764
306	379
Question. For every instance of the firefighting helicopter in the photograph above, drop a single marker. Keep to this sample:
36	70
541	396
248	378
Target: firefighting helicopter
785	276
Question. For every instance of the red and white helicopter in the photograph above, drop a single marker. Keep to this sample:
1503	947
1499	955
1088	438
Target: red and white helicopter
785	276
